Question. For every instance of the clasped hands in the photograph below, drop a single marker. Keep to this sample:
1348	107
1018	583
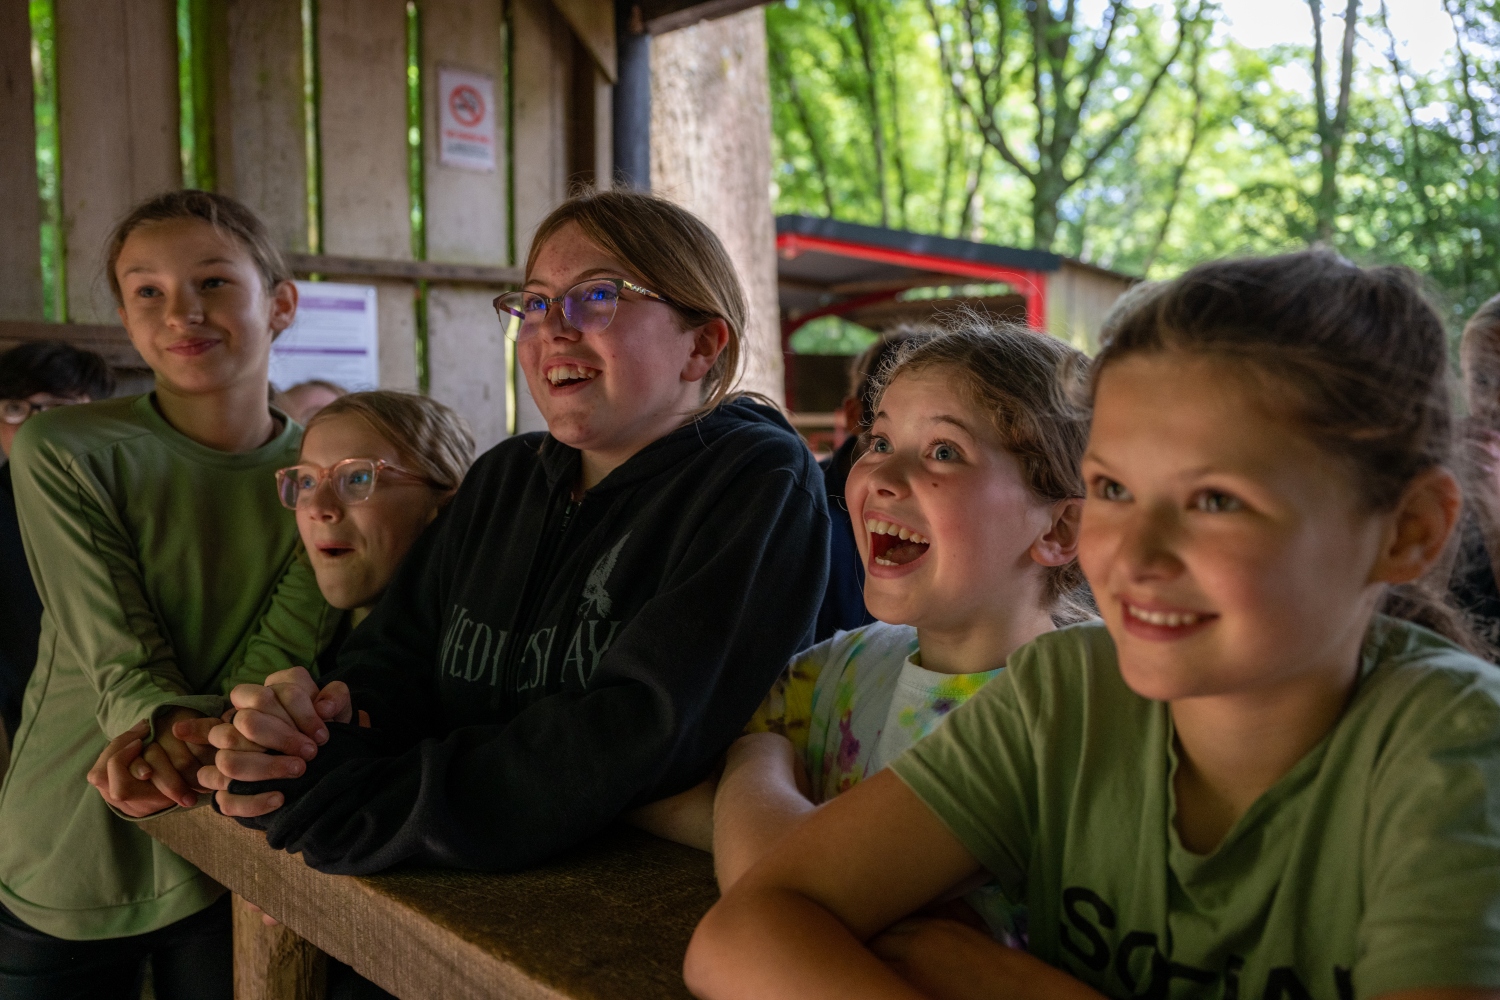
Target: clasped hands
195	754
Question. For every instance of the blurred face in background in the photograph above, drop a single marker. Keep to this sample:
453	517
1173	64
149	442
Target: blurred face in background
15	412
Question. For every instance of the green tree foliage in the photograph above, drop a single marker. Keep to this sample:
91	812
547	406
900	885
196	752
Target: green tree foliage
1181	145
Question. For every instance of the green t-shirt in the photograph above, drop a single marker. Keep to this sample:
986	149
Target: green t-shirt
169	572
1372	866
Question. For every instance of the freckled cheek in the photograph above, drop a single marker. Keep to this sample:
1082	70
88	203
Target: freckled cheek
856	489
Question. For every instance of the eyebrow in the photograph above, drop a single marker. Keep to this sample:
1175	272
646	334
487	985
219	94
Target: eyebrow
146	269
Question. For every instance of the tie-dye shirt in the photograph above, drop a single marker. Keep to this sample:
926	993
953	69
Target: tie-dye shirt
857	701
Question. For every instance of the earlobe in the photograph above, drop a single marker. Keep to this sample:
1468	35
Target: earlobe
1419	527
1059	546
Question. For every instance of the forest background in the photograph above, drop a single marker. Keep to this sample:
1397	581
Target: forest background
1143	137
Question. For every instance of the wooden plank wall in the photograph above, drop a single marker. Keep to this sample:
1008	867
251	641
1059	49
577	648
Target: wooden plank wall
118	108
366	201
466	224
260	132
20	209
117	117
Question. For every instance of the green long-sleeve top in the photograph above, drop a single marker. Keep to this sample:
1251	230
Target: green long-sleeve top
168	572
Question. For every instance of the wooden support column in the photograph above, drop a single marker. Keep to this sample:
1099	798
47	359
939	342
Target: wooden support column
466	224
117	117
366	200
260	137
20	210
273	963
711	153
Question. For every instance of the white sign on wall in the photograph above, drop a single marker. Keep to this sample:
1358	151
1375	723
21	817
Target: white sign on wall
466	119
334	338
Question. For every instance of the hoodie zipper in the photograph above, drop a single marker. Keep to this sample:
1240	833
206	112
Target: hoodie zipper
532	597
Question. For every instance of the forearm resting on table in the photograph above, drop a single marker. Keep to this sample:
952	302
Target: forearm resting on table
686	818
759	800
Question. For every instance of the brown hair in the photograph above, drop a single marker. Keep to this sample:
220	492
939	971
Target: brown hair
864	373
1479	352
220	211
1357	357
1026	383
674	253
431	439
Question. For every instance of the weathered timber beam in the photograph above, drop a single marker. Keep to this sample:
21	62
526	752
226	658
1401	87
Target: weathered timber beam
109	341
611	919
662	16
332	266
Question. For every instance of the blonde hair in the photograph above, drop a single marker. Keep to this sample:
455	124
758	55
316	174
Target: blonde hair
431	439
1025	383
674	254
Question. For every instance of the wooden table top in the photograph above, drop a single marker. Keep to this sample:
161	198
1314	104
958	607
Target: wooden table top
608	920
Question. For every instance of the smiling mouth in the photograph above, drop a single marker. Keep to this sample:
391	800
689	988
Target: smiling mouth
193	347
1166	619
893	545
566	375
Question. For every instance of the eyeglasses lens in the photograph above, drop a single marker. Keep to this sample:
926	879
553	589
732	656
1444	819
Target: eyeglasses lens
589	308
354	481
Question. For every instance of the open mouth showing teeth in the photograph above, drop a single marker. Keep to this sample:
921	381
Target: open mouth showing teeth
893	545
571	375
1166	619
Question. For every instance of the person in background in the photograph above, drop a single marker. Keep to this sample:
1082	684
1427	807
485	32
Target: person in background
34	378
843	606
1473	583
304	399
168	573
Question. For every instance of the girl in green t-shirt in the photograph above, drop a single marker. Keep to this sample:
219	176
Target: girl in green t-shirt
169	572
1247	781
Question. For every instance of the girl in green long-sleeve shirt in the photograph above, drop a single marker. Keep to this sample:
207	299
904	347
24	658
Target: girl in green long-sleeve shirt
169	573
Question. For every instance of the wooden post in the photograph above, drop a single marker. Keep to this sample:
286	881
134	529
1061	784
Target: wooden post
273	963
260	135
117	118
362	117
20	215
711	153
466	223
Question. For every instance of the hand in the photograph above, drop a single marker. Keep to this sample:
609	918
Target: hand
242	759
139	778
287	713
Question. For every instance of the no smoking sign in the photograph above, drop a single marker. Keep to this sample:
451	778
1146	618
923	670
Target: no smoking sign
466	124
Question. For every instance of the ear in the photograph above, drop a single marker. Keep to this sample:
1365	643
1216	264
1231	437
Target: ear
853	410
1059	546
1418	528
283	307
709	341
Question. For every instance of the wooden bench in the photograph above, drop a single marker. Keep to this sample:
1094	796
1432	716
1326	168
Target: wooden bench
609	920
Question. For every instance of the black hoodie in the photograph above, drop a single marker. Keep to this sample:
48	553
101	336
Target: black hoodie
538	665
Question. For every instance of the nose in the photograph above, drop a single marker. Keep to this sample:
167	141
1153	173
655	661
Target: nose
1148	544
322	504
184	307
890	478
554	324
